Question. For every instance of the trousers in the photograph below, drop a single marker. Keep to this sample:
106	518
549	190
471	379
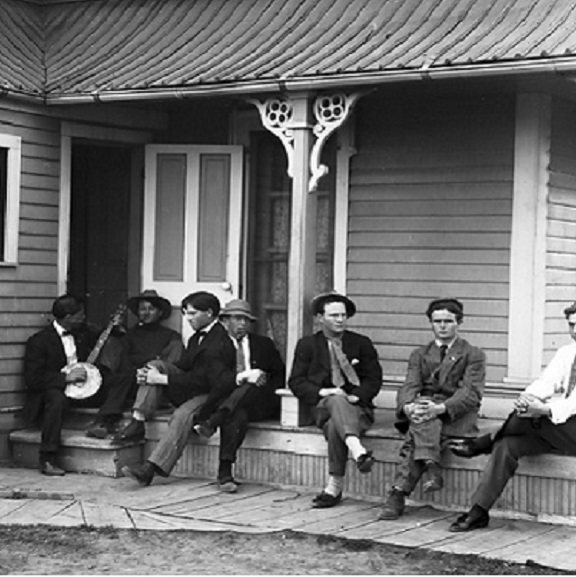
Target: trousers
339	419
172	444
521	437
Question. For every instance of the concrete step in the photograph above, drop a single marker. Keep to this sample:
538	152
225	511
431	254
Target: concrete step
79	454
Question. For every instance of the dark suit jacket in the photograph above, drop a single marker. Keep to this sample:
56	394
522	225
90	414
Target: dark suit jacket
43	360
264	356
458	382
311	369
202	368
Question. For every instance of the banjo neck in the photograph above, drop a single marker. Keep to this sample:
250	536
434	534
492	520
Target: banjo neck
105	334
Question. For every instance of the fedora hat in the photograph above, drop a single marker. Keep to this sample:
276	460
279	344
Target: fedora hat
238	307
318	302
153	298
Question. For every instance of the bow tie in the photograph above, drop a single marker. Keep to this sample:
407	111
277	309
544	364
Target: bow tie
67	334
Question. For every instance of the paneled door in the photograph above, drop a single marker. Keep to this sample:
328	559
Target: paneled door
192	221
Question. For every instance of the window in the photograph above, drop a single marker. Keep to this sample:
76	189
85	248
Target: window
9	197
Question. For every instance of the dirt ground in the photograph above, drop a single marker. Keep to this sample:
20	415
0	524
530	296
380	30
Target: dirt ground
81	551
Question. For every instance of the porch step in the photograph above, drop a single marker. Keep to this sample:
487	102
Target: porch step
544	487
78	454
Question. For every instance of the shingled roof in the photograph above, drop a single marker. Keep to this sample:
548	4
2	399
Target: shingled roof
77	48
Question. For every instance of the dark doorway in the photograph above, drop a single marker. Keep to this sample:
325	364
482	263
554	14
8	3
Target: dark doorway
100	227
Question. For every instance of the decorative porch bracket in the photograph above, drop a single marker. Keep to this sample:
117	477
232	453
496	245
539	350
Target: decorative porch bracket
330	111
276	115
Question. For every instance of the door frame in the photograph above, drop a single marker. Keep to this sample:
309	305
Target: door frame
70	131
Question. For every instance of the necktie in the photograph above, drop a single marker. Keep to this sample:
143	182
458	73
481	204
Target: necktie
571	379
240	357
340	364
443	349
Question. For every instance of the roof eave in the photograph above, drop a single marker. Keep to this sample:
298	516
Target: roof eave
556	66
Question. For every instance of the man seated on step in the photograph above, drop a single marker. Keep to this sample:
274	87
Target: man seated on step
63	343
201	376
438	401
257	370
336	372
149	339
543	421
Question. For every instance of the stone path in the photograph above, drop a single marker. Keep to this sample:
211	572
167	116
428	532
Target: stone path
26	497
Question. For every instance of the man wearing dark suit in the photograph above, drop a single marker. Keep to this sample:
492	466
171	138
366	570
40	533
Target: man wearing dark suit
65	341
256	370
337	373
438	401
200	376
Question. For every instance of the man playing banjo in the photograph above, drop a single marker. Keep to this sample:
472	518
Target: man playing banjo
53	369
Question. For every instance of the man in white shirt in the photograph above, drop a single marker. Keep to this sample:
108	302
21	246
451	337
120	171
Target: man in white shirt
544	421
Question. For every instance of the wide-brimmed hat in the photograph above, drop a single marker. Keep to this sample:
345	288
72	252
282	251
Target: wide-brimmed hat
238	307
153	298
318	302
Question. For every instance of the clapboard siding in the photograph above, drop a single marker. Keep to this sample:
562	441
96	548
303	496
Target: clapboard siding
561	226
430	215
27	289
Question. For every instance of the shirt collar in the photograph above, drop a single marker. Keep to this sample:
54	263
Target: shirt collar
449	345
59	328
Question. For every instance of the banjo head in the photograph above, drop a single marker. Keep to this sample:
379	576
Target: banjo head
89	387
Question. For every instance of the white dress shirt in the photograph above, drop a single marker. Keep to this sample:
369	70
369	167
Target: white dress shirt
552	385
68	343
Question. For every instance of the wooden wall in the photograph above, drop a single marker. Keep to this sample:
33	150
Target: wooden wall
28	289
430	216
561	226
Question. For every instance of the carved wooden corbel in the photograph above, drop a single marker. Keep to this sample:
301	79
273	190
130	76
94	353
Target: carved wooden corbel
331	111
276	115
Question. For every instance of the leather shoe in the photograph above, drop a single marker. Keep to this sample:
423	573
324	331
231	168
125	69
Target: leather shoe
143	474
204	431
133	431
325	500
393	507
227	485
472	447
476	518
103	427
51	469
365	462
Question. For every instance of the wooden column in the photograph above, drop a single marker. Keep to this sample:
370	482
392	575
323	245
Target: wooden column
528	242
302	258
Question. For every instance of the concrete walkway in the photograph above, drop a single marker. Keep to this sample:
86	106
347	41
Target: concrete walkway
28	498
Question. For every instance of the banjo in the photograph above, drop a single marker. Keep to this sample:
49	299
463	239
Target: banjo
88	387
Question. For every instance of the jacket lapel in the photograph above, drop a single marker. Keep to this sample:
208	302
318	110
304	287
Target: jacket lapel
453	355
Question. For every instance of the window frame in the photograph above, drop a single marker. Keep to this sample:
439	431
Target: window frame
13	144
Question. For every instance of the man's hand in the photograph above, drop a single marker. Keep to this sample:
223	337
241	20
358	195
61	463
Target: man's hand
423	410
76	375
150	375
255	377
328	392
353	399
529	406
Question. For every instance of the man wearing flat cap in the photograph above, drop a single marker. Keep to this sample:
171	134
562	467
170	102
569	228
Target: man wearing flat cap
543	421
257	370
336	372
149	339
438	401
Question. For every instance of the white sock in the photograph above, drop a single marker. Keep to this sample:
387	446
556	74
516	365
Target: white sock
138	415
335	485
355	446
